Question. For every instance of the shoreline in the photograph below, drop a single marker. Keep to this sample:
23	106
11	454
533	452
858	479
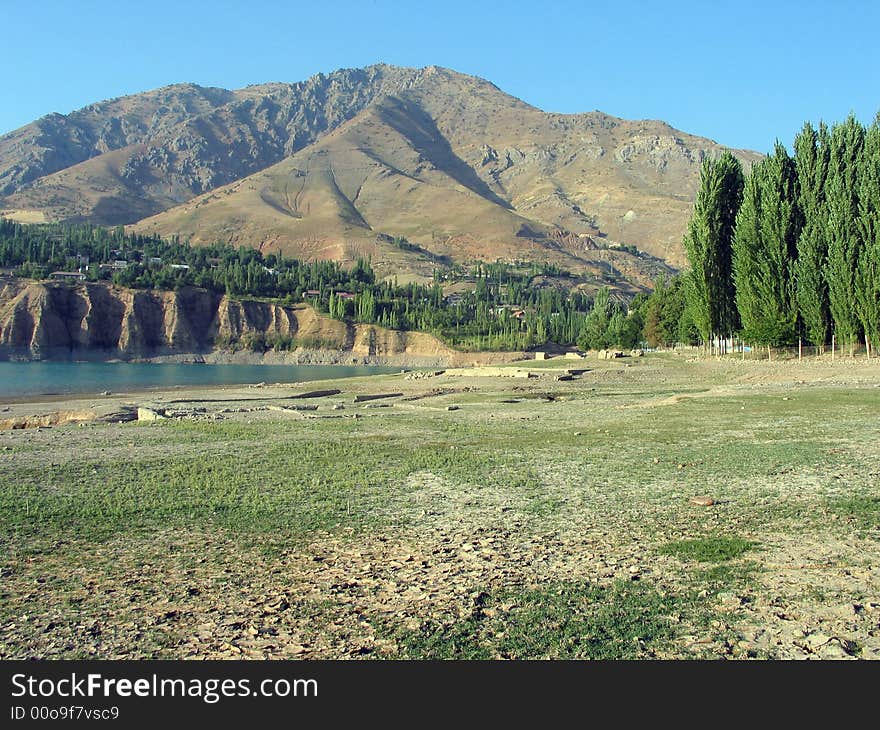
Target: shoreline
274	357
295	358
147	390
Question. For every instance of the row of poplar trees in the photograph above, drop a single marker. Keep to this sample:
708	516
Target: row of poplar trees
792	250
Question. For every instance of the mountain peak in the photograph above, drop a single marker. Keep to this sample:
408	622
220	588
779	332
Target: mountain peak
342	161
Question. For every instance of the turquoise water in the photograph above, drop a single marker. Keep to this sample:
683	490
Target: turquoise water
50	378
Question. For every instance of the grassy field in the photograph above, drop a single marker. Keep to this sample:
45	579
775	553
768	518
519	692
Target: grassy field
538	519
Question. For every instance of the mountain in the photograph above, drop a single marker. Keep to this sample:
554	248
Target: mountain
117	160
343	164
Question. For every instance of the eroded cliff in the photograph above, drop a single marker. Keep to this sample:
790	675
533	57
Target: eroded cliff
59	320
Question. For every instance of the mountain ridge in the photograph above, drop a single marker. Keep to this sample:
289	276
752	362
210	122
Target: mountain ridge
445	160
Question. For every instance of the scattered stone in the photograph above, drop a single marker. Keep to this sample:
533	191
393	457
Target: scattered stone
833	650
184	413
702	501
423	374
150	414
814	641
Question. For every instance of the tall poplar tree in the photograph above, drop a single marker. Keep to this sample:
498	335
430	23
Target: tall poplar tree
842	230
765	249
708	242
867	277
812	155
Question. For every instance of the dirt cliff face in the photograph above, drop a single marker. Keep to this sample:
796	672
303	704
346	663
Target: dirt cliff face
54	320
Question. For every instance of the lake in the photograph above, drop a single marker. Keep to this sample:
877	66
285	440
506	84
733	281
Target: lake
51	378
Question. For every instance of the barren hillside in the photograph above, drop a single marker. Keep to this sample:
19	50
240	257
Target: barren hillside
339	165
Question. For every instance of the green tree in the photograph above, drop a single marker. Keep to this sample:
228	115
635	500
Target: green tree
765	250
867	278
366	307
708	244
594	333
842	230
812	157
663	313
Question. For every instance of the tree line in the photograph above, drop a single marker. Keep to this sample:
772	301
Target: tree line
503	310
790	251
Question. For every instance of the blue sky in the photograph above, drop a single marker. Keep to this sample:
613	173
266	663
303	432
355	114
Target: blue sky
742	73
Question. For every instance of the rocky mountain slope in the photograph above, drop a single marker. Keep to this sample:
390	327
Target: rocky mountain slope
338	165
42	320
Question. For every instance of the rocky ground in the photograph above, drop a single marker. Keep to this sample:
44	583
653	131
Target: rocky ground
656	507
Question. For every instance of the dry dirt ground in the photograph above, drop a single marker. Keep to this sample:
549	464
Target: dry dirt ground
464	515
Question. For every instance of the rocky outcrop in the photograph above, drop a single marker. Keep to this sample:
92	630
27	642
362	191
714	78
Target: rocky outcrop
379	342
54	320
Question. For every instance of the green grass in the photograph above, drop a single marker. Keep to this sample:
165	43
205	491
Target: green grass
628	620
268	478
297	477
726	575
863	510
708	549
